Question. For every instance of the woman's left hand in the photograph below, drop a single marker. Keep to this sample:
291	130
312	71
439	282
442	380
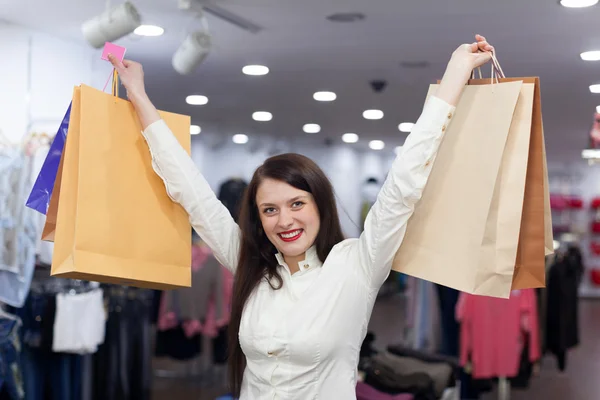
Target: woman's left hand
473	55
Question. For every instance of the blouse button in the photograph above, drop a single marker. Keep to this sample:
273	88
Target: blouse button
444	128
449	115
270	354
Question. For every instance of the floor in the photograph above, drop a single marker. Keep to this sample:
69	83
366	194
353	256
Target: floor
581	381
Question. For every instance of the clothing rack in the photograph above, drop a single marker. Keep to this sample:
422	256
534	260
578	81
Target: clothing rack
503	389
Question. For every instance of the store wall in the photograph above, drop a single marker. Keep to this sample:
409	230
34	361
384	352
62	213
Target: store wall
38	73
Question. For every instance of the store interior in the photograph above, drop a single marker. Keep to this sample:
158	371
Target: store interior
341	82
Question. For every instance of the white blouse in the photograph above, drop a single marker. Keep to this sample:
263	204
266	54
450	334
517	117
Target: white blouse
303	341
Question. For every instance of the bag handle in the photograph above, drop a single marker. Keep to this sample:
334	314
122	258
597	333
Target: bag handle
496	72
115	82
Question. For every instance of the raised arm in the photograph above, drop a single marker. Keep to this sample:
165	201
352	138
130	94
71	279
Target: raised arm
385	225
183	181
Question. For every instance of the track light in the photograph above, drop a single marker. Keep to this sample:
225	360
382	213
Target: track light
192	52
111	25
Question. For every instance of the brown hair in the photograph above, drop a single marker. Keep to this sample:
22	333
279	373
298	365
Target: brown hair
257	253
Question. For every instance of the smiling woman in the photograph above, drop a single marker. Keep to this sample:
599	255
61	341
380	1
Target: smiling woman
303	294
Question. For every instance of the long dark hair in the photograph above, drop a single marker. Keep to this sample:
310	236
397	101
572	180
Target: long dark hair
257	253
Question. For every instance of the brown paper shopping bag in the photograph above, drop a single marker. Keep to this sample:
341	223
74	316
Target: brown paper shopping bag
114	220
468	227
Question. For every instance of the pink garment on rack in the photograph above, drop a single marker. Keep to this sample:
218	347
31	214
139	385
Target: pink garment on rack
366	392
168	319
493	332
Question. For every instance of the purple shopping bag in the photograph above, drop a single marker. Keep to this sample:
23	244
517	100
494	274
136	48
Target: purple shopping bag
39	198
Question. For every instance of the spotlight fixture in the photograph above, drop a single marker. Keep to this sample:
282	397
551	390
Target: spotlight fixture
595	88
192	52
111	25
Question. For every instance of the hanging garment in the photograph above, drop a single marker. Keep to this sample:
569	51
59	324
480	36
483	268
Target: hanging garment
79	325
11	381
492	332
562	311
122	364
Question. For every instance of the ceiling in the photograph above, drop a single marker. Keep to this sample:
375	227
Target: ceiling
306	53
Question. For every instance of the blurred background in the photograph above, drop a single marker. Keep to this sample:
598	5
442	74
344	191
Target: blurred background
341	81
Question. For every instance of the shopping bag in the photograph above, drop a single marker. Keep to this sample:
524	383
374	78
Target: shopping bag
480	226
114	220
41	192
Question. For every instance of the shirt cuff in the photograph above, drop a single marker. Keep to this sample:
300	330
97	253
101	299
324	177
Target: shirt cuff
437	114
159	136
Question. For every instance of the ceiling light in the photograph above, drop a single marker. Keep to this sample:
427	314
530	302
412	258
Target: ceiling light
262	116
590	154
111	25
324	96
598	109
255	70
196	100
240	138
578	3
350	137
398	149
590	55
149	30
373	114
595	88
195	129
311	128
192	51
406	126
376	145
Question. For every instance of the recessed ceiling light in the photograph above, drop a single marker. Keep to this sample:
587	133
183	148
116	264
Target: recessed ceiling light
311	128
598	109
350	138
346	17
373	114
149	30
324	96
398	149
255	70
595	88
578	3
195	129
240	138
405	127
196	100
376	145
590	55
262	116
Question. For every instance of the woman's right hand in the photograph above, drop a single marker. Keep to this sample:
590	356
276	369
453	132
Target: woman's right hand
131	74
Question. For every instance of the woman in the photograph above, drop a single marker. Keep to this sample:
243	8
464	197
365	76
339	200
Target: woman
303	295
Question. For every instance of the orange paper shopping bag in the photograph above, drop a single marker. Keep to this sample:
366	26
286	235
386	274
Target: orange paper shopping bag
110	217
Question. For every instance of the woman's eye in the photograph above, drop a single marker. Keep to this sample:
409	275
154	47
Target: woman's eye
269	210
298	204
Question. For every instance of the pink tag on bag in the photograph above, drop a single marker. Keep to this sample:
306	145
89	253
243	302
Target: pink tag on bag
115	50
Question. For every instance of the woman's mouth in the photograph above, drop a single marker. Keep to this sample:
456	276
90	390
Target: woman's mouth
290	236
